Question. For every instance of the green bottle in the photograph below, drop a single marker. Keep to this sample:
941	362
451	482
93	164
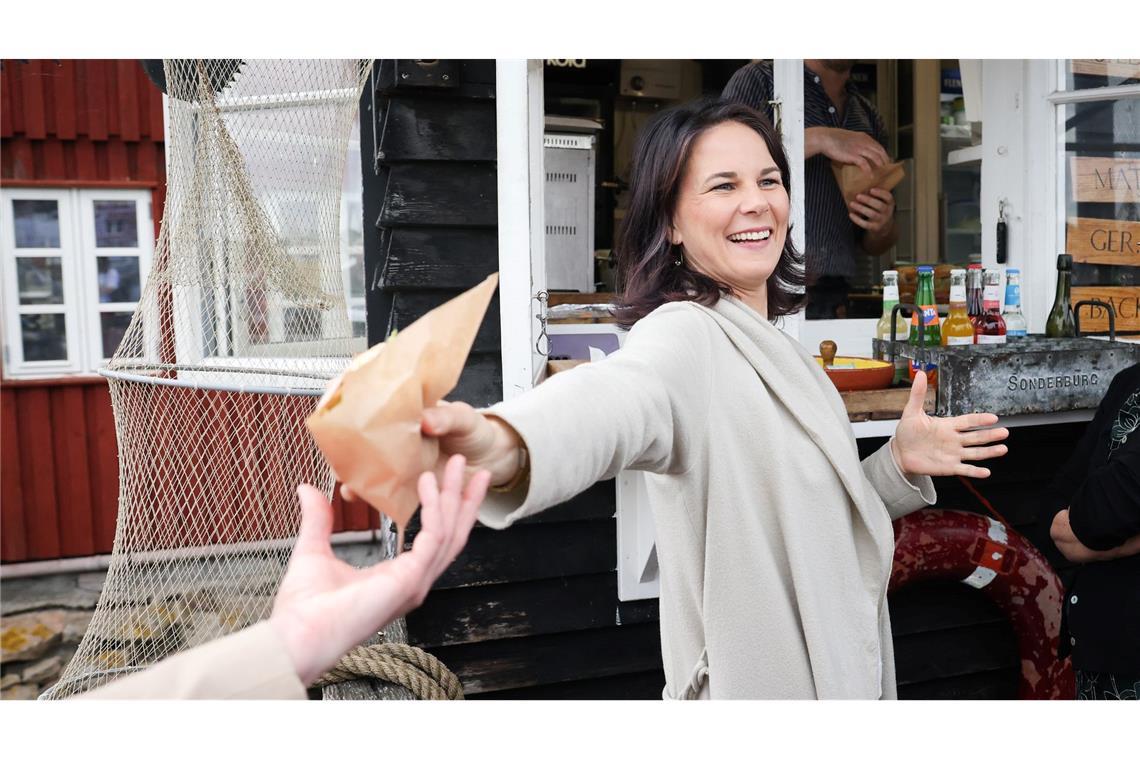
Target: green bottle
1060	323
928	313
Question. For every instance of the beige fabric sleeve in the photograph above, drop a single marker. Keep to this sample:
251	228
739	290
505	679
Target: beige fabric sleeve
900	494
641	408
249	664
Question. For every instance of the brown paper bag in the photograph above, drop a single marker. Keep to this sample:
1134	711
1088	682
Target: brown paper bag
368	422
854	180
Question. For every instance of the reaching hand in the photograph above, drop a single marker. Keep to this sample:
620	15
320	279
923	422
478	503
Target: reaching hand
873	210
325	606
859	148
925	445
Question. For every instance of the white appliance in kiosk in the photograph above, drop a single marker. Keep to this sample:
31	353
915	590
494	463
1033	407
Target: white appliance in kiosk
571	161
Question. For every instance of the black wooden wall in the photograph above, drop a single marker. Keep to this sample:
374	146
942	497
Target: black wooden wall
529	612
427	137
532	612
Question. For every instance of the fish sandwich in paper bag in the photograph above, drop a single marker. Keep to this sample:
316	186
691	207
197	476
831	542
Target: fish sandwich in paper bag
368	422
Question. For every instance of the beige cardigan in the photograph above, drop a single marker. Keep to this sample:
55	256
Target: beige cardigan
774	543
249	664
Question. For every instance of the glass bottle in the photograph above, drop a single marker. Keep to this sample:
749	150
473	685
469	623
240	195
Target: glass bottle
928	311
883	327
957	329
990	326
974	292
1015	324
1060	323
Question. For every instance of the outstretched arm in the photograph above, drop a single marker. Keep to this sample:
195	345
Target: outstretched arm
323	607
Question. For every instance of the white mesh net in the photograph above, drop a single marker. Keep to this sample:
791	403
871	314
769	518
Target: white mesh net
242	322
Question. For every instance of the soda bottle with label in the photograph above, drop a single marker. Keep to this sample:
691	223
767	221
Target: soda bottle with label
1015	324
883	327
957	329
974	292
990	326
928	312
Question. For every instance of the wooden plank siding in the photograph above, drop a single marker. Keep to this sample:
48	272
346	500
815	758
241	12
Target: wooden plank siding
59	494
81	123
532	610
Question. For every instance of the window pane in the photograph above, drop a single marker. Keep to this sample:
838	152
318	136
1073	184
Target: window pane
1102	208
302	323
1086	73
44	336
356	275
118	279
116	225
114	326
40	280
37	223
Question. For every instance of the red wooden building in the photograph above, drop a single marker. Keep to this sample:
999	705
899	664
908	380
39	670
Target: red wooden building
83	179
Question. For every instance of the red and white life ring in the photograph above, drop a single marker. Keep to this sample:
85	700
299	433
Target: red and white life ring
943	544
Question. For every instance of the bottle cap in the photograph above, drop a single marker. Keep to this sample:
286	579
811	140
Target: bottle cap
924	269
1064	262
1012	270
974	266
890	271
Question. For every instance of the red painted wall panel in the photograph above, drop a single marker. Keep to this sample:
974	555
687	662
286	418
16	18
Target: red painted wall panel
60	126
72	477
102	464
96	108
13	531
34	430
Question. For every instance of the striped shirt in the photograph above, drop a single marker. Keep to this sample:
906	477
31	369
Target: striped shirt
831	237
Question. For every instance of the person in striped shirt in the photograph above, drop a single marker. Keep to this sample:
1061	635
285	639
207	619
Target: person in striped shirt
840	124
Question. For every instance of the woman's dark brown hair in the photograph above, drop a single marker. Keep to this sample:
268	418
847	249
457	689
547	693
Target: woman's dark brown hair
646	274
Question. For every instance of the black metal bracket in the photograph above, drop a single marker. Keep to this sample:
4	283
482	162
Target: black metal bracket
427	72
910	310
1090	303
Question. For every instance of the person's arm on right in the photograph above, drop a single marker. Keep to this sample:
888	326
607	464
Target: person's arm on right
1073	550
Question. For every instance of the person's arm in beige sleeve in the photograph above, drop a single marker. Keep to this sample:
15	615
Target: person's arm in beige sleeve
641	408
323	607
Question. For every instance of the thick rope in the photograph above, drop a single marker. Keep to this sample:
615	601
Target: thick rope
411	667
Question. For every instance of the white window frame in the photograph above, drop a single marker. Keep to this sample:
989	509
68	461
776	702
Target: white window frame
1058	99
78	257
522	242
353	185
89	264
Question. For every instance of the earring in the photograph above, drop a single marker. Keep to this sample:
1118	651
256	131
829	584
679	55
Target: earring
680	256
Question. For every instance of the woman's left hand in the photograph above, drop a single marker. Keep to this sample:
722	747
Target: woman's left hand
925	445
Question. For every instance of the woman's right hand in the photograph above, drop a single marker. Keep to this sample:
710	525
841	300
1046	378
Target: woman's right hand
488	443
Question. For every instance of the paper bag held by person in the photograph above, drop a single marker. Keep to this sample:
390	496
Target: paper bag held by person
853	179
368	422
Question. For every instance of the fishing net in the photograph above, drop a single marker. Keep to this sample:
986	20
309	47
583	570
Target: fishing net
242	322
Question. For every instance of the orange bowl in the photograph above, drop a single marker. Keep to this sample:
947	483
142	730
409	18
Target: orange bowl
854	373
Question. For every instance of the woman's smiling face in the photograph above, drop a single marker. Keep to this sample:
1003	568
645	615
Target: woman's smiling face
732	211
